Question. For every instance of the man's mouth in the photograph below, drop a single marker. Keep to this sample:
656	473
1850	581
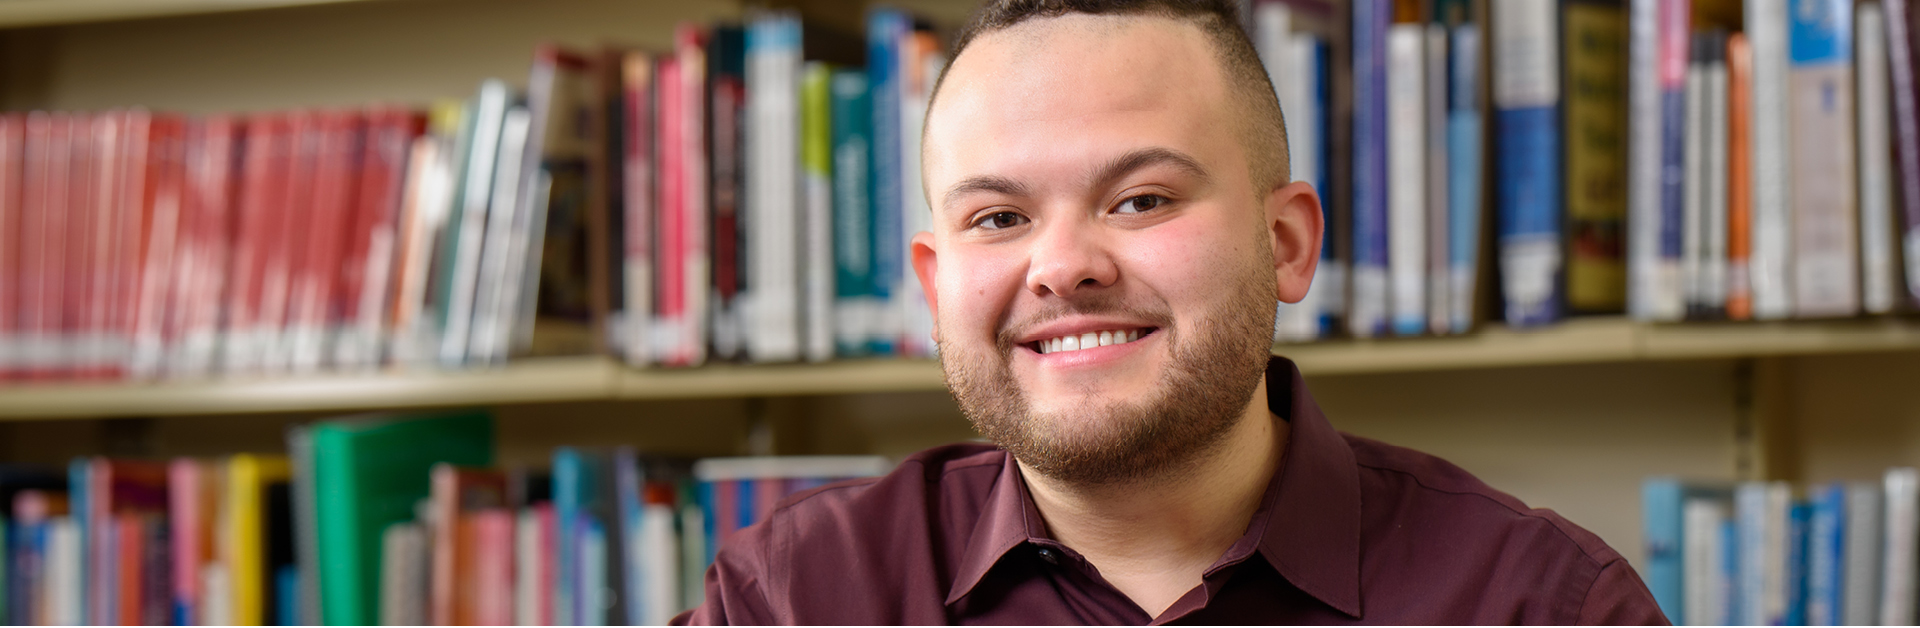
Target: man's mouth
1089	340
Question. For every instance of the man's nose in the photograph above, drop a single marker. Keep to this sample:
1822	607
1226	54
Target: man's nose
1069	256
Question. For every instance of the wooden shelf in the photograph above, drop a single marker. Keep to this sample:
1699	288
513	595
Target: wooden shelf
1579	341
18	13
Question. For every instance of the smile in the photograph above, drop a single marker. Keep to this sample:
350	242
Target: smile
1089	340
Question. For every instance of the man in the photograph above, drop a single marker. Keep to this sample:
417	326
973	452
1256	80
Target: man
1113	221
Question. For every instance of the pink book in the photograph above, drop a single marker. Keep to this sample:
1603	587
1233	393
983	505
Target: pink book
79	315
490	532
683	264
13	140
638	86
191	499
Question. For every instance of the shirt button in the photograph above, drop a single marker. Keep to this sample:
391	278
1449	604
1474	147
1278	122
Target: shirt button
1052	557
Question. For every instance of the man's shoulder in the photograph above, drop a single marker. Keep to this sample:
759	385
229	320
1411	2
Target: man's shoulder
1443	490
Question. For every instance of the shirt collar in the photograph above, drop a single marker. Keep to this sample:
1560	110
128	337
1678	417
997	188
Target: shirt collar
1307	526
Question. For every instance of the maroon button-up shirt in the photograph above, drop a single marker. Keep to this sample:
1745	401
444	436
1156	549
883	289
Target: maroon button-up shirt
1349	531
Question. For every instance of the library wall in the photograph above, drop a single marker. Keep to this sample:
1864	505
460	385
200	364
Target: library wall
1855	415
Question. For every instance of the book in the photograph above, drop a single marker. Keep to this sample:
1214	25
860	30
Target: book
1761	512
1739	178
816	177
1825	245
458	267
403	574
503	247
454	495
1826	549
585	507
856	306
1905	116
257	533
729	159
1863	557
639	202
1708	550
371	260
192	499
552	300
535	575
366	474
1879	272
1367	311
287	240
1466	168
13	139
1595	45
423	218
1681	520
1407	170
208	204
119	495
1900	501
922	62
774	188
262	174
1438	238
1526	102
1711	286
1272	39
681	242
1766	31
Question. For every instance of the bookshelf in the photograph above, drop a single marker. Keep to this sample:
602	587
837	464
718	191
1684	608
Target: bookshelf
1569	417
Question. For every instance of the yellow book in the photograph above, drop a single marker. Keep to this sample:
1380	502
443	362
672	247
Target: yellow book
243	542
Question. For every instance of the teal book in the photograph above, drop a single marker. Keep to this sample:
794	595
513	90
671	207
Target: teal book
855	302
367	474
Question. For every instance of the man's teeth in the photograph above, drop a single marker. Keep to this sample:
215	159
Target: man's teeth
1088	340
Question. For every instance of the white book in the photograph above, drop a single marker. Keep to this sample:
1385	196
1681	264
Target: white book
1643	166
1704	578
429	201
693	558
592	577
916	318
475	189
1693	217
1761	511
1273	39
1861	557
1825	263
403	575
772	299
1407	172
1879	273
65	604
497	288
817	183
1766	30
526	578
1901	499
1713	247
1439	251
660	564
217	595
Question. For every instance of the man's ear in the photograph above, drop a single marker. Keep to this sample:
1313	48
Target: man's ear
926	265
1295	226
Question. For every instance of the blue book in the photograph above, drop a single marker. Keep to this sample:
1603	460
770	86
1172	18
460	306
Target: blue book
886	29
1797	519
630	495
1663	501
1464	169
1826	547
1673	147
583	502
1733	594
77	501
1527	199
1332	276
855	302
1368	316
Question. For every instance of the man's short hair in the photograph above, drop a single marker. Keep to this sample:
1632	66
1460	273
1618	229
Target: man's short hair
1265	136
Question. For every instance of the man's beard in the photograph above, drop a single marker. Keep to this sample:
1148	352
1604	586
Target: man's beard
1216	365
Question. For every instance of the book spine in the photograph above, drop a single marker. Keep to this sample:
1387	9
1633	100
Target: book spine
1739	178
816	161
774	188
1823	209
42	234
1879	273
507	233
922	62
1713	198
854	303
289	241
1595	45
314	318
493	560
1825	547
1272	38
671	306
1796	579
1644	150
209	199
1664	526
1694	180
13	141
1526	101
80	318
1669	296
685	264
1703	597
369	272
886	29
1906	139
1766	31
1368	312
104	333
184	524
1466	166
1436	110
1861	601
1901	499
730	152
1407	172
639	166
468	227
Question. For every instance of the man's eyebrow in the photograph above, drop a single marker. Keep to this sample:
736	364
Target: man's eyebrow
983	183
1137	160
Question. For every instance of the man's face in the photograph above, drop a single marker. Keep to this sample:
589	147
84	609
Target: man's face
1102	267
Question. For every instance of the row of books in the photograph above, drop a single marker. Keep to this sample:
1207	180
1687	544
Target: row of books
396	520
1670	159
1754	554
729	199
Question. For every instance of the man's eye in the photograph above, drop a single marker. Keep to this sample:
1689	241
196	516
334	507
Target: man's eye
1140	204
1003	220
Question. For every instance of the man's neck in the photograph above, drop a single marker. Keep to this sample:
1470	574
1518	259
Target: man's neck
1153	538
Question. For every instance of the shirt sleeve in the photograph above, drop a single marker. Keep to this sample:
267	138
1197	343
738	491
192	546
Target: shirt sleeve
1619	598
736	585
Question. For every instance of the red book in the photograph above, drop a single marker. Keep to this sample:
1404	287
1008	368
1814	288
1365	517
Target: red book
367	267
453	493
192	501
79	318
1739	179
335	186
289	215
113	251
155	203
257	223
670	309
490	546
13	140
206	235
129	541
682	237
548	569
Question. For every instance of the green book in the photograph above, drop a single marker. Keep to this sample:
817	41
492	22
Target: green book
367	474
